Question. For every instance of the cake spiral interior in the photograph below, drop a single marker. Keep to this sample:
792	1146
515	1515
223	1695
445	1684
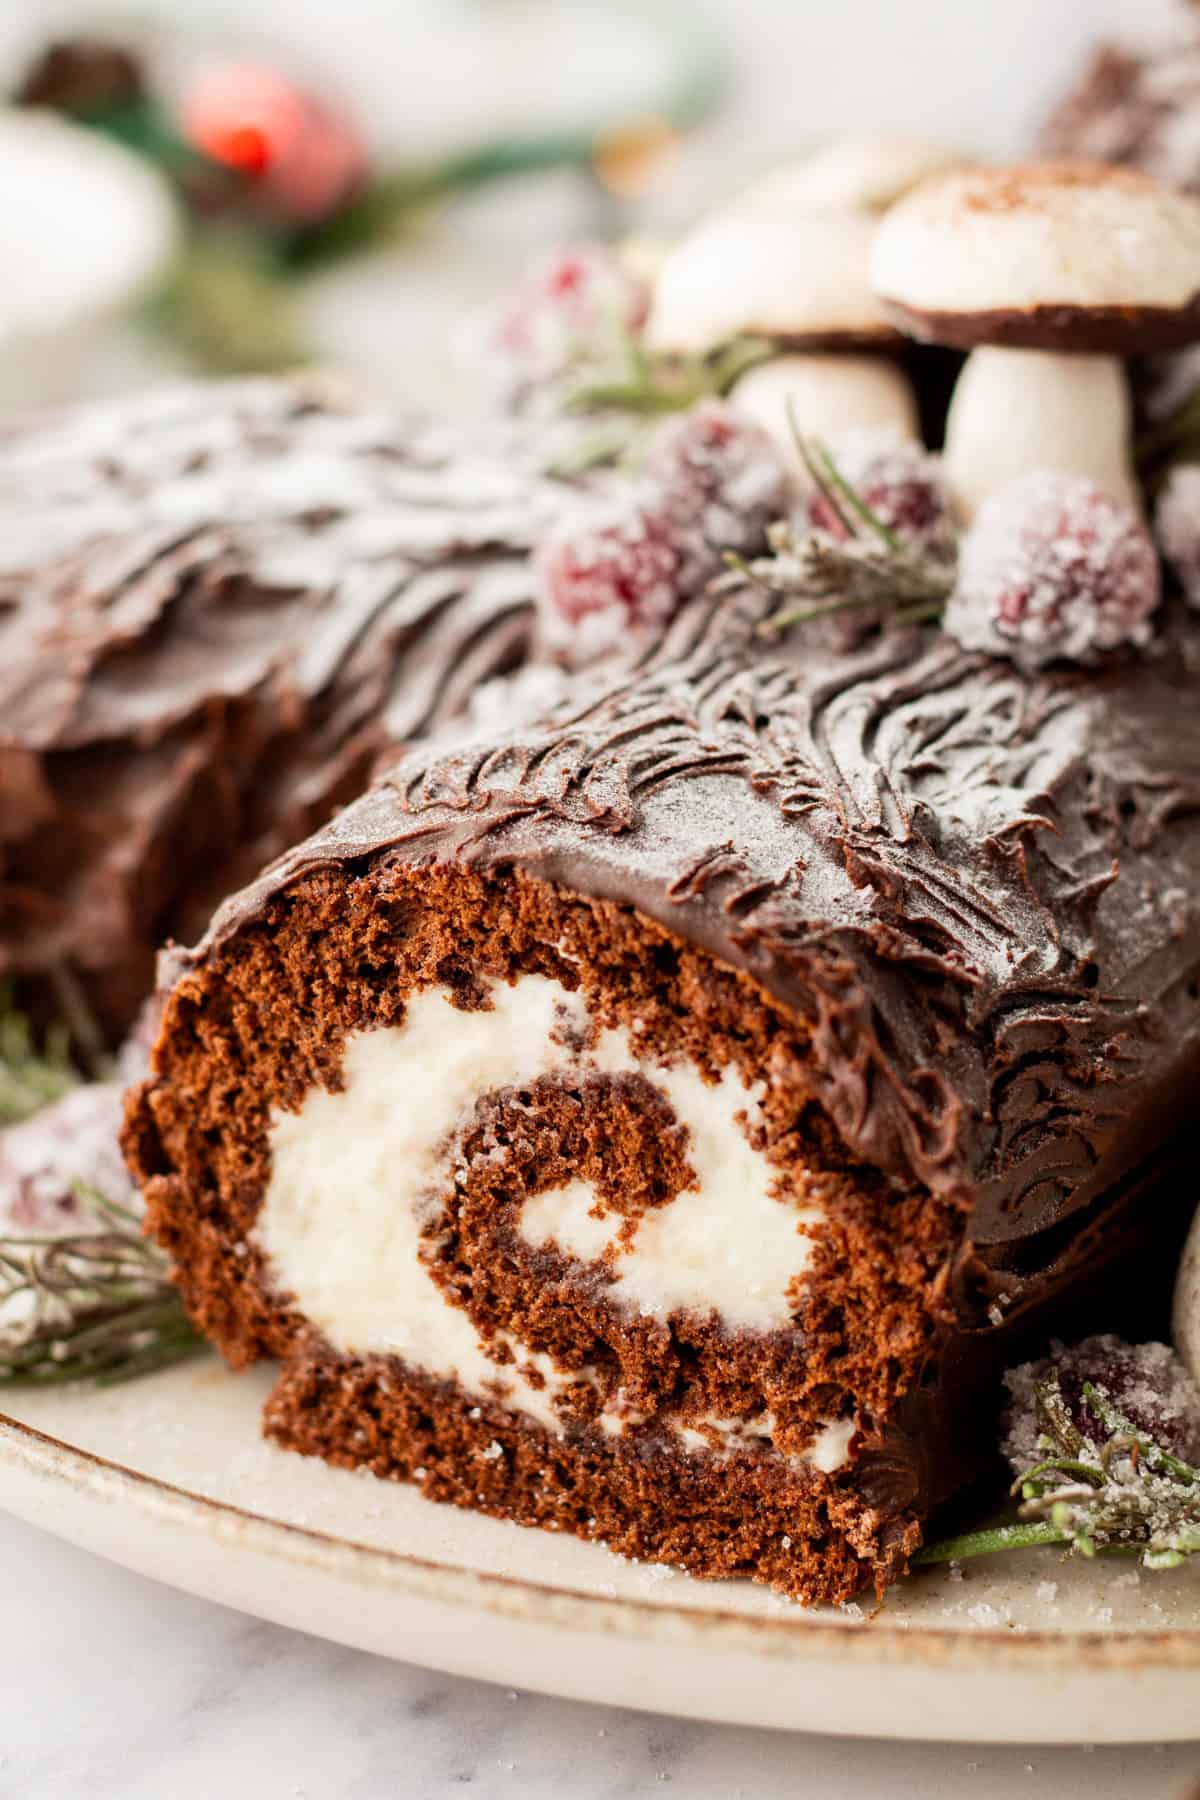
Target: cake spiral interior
535	1204
355	1212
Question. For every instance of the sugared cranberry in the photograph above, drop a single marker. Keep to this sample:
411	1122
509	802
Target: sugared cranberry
617	573
573	304
615	580
898	480
719	477
1052	568
1177	525
1147	1384
71	1142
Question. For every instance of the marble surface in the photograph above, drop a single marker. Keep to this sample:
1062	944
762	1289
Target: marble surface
114	1688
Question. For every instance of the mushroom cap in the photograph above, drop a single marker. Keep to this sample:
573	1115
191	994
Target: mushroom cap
864	171
801	278
827	395
1052	256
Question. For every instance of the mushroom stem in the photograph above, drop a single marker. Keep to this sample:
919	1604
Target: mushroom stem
1017	410
1185	1322
827	395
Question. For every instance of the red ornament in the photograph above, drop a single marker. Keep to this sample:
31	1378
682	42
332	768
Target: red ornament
302	158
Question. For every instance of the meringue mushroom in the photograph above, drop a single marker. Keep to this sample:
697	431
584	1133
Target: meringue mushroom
800	279
860	171
826	394
1050	274
1016	410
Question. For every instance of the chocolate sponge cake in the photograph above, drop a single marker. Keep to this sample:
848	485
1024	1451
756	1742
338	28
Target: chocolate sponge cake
649	1125
218	603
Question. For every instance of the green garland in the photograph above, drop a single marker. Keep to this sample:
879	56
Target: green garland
227	299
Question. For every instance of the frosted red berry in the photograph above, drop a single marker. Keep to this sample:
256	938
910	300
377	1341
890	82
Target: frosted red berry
718	476
616	574
614	581
1051	568
44	1160
898	480
1146	1383
578	302
1177	527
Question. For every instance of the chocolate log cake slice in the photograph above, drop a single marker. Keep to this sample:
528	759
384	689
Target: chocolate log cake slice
655	1125
218	603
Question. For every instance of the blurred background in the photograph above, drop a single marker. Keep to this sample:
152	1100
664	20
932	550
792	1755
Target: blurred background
293	180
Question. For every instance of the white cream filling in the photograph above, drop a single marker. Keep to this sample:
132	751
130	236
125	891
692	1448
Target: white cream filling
353	1173
829	1449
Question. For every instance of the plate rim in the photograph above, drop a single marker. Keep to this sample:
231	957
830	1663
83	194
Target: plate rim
797	1636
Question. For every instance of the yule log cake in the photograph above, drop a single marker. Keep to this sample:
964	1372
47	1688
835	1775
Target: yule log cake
218	603
643	1124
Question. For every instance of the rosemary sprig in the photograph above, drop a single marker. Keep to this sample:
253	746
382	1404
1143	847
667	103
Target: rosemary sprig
627	377
1126	1495
93	1305
867	569
30	1078
95	1302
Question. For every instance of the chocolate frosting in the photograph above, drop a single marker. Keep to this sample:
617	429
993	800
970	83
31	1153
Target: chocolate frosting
978	887
218	604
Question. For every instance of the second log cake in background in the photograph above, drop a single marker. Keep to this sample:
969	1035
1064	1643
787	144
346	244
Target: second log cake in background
218	605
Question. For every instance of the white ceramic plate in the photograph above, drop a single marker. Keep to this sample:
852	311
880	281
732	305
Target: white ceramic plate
170	1477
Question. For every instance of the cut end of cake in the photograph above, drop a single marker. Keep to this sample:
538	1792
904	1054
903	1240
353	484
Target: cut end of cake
534	1203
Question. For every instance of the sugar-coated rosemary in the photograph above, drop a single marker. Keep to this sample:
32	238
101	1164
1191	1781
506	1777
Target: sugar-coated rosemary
1126	1495
868	568
92	1303
629	378
96	1304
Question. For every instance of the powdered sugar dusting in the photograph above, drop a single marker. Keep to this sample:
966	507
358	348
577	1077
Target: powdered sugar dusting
68	1144
1053	568
898	479
618	569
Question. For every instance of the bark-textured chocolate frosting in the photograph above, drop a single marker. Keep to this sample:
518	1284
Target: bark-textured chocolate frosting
217	604
979	887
